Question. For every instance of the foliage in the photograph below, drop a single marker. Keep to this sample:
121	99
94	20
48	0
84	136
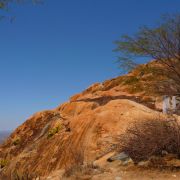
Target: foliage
16	141
54	131
149	69
161	42
151	137
126	64
3	163
4	4
130	80
108	84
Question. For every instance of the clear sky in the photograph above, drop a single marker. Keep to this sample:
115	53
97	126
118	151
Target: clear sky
53	51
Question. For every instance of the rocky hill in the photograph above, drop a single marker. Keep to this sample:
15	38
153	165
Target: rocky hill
84	129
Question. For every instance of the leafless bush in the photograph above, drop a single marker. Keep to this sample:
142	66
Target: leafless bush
151	137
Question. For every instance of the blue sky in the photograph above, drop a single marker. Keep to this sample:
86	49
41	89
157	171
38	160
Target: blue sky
55	50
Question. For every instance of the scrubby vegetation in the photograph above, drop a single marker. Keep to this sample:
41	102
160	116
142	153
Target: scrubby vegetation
79	170
150	79
18	175
160	42
79	167
3	163
54	131
16	141
23	176
150	138
130	80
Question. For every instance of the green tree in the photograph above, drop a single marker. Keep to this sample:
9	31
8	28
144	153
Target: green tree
4	4
161	43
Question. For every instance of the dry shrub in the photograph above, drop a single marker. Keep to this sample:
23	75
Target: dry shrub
78	167
17	175
151	138
77	161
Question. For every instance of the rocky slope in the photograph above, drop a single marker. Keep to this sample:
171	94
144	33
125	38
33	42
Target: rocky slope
86	128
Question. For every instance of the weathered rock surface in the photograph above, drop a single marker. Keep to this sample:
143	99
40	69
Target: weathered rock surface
121	157
85	129
92	132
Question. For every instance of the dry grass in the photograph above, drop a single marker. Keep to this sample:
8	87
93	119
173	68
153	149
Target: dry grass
17	175
78	171
77	162
78	167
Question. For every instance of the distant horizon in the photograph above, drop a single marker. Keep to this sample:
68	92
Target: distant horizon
53	51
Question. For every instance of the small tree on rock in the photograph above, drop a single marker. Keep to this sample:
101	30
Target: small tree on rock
161	43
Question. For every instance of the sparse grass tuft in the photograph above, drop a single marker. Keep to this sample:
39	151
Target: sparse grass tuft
17	175
16	141
130	80
54	131
3	163
80	170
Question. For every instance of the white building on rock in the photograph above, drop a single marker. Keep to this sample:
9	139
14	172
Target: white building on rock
171	104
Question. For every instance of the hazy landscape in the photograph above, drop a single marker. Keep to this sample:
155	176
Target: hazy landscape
4	135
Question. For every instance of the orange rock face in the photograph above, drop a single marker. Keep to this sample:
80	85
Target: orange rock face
83	129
